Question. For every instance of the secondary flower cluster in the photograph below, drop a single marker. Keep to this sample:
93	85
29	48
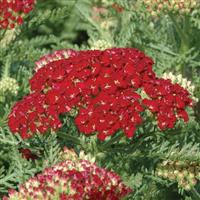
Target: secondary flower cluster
12	11
71	180
104	86
186	173
185	83
28	154
155	7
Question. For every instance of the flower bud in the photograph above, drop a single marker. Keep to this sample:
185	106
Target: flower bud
101	45
8	86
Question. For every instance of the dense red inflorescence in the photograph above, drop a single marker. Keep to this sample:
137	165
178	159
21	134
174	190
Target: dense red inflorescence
105	87
12	11
72	181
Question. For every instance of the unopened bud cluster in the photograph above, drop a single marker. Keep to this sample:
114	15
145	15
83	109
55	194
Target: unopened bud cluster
8	86
70	180
101	16
182	82
156	7
185	173
101	45
107	24
70	154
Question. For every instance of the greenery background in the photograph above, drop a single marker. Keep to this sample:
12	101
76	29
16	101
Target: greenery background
172	40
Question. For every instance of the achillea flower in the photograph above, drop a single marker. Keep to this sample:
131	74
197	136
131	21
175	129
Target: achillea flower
156	7
27	154
185	173
104	87
183	82
72	180
12	12
56	55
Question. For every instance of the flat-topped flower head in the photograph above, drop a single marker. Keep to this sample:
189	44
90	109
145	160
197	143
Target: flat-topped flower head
12	12
104	86
71	180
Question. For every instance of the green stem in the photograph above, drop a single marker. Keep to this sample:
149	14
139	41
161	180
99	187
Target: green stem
2	34
195	194
112	140
42	143
180	32
184	47
68	137
6	68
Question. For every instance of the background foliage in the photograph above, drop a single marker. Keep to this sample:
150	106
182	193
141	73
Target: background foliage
172	40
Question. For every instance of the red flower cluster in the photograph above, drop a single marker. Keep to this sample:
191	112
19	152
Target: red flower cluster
104	86
11	12
72	181
27	154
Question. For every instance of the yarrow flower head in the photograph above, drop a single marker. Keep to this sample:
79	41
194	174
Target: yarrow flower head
156	7
70	180
12	12
105	88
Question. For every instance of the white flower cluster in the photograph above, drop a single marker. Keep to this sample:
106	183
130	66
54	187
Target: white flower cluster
181	81
101	45
8	85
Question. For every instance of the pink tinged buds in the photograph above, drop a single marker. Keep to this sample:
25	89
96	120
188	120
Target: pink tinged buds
75	180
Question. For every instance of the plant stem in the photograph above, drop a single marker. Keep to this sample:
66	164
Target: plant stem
184	46
6	68
68	137
112	140
195	194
